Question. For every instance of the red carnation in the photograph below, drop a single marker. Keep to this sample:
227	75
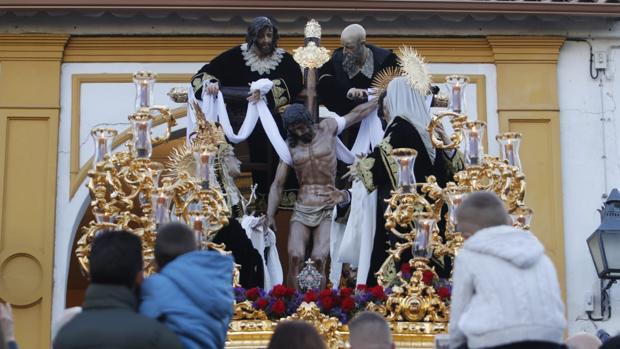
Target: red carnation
427	277
346	292
325	293
347	304
278	307
310	296
252	294
278	291
327	303
443	292
377	292
361	287
290	291
405	268
262	303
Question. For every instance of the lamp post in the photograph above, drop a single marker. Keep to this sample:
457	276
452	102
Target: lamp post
604	245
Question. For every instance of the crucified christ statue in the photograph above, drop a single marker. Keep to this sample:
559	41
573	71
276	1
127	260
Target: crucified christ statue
313	150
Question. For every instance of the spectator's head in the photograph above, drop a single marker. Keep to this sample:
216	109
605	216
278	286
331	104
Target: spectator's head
583	341
298	124
481	210
116	259
173	240
295	334
368	330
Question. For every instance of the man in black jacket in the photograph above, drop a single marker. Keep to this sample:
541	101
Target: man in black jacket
109	318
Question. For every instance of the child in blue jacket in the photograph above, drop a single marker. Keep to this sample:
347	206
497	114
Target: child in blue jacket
192	292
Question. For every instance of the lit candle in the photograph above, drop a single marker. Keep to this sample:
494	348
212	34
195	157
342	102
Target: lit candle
510	154
204	166
405	179
456	98
142	139
161	209
101	147
474	143
144	94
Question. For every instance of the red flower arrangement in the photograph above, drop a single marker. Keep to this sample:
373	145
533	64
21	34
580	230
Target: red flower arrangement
443	287
346	302
283	301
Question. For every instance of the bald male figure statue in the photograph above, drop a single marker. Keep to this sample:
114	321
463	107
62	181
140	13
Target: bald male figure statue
344	79
313	150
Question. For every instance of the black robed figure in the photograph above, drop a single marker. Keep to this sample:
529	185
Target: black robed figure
233	71
407	115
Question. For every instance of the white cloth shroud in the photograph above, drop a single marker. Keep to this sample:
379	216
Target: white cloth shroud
352	243
214	108
262	238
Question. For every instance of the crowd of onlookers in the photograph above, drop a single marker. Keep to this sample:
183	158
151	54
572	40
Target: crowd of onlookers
505	295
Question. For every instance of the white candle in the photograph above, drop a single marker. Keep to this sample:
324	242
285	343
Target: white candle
144	94
161	210
142	138
456	98
204	165
474	143
510	154
101	147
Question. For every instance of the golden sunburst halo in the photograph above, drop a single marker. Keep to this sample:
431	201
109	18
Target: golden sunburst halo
414	69
383	78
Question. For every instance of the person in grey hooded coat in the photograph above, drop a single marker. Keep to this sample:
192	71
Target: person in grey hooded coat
505	289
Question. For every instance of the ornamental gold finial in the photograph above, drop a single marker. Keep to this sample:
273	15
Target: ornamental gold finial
313	29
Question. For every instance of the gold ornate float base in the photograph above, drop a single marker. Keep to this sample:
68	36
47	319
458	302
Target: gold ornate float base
410	335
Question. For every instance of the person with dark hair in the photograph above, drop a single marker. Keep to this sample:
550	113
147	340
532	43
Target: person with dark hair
295	334
109	318
505	289
192	291
313	151
232	71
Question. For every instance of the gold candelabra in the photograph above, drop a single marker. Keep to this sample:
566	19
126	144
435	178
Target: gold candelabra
414	209
127	188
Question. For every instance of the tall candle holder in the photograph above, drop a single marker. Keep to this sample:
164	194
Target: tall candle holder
456	86
141	124
103	143
145	82
509	144
473	133
421	247
405	159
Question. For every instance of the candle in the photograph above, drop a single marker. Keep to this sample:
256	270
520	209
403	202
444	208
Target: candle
474	143
161	209
204	166
142	139
144	94
101	147
510	154
456	98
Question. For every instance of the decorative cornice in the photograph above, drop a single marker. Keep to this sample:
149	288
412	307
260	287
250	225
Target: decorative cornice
203	49
32	47
525	49
434	6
